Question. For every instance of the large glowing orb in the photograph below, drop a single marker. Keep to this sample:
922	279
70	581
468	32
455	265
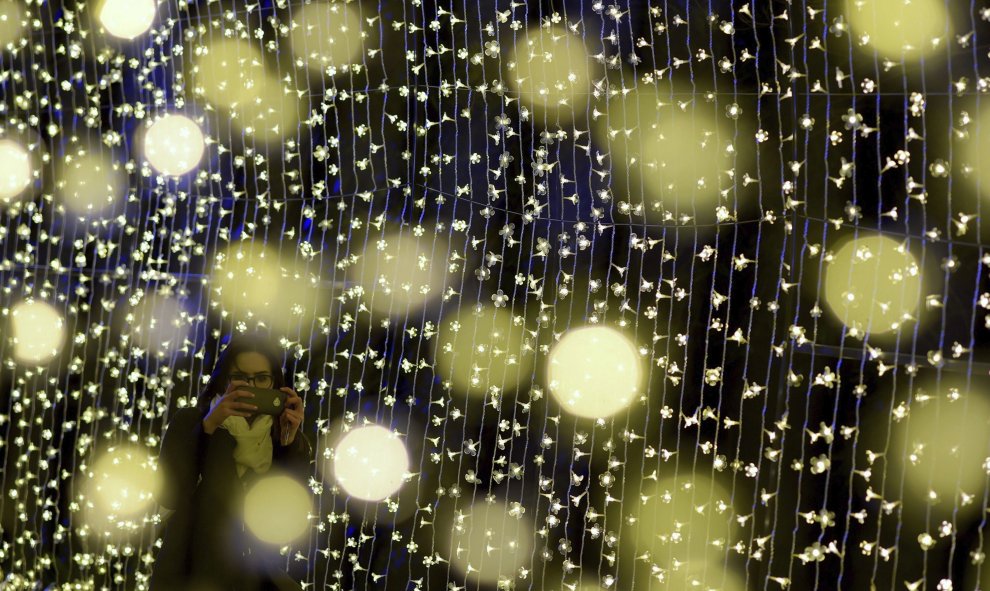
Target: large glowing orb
594	371
370	463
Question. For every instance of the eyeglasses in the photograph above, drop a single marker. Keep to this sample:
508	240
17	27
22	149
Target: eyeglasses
260	380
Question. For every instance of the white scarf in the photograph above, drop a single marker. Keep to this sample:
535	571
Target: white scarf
254	441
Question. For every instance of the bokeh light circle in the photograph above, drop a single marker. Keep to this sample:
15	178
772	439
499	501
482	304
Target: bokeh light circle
400	273
370	463
39	331
490	542
124	484
899	28
276	509
551	70
873	283
159	324
943	445
17	173
683	518
326	36
128	19
679	159
12	22
254	284
594	371
90	182
233	75
481	348
174	144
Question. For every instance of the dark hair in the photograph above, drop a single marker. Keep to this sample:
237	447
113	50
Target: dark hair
256	342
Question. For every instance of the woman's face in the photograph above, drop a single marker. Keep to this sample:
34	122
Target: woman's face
252	364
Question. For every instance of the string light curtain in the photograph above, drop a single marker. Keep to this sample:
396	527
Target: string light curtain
580	295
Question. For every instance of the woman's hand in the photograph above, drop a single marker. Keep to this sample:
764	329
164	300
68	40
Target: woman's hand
291	418
229	406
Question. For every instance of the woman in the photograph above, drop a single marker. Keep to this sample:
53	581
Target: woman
210	455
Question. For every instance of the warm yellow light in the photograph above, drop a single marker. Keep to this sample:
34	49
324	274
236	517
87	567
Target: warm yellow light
89	182
276	509
17	173
873	284
123	483
249	277
550	70
128	19
12	22
942	446
974	164
326	36
706	574
253	283
400	273
678	154
174	145
38	331
588	585
682	519
899	28
490	542
482	348
231	74
370	463
594	371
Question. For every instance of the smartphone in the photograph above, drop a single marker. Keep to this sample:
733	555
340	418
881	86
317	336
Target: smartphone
269	402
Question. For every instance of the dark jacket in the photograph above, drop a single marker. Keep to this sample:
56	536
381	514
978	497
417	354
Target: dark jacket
204	539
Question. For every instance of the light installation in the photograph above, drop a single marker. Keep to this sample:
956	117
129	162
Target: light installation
579	295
